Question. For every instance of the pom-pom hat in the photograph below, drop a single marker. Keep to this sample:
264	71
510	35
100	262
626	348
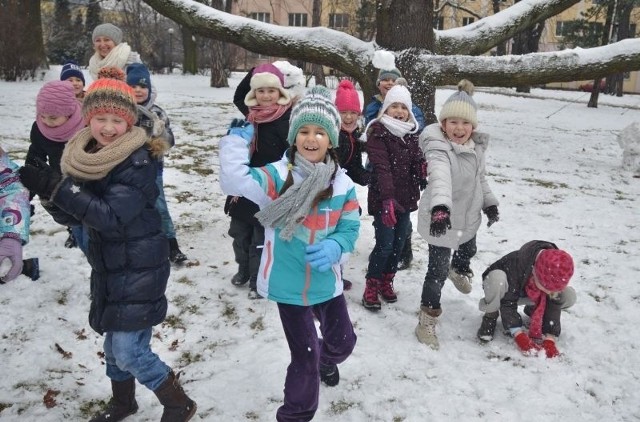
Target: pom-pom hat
108	30
315	108
392	74
111	72
110	96
71	69
347	98
267	76
461	105
553	269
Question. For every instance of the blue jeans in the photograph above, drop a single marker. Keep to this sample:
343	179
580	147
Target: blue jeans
163	209
389	244
128	354
438	269
82	237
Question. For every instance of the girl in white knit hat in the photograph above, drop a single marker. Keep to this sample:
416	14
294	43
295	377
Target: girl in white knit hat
450	209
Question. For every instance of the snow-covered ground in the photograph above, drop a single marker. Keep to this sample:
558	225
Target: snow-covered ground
554	164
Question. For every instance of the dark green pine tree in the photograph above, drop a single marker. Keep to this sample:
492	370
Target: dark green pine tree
93	19
61	43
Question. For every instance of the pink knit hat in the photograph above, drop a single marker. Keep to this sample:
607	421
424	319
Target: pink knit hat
267	76
347	98
57	99
554	268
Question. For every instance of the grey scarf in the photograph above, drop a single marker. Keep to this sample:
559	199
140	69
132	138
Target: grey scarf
290	209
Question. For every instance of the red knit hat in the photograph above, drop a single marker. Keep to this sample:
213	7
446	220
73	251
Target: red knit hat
554	268
347	98
110	96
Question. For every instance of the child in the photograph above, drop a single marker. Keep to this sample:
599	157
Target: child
536	274
156	123
450	209
14	227
261	97
394	190
310	213
108	184
71	72
349	148
58	118
109	50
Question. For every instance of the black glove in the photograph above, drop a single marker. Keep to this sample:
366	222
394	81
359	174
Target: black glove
492	214
440	221
39	178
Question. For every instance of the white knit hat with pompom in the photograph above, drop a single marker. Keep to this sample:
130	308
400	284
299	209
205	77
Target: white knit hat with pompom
461	105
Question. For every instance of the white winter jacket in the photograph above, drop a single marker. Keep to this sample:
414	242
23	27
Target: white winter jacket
456	175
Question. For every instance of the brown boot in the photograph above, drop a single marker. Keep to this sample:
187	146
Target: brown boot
385	288
178	407
122	404
370	297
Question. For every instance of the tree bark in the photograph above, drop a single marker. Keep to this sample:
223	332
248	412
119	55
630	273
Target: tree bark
190	58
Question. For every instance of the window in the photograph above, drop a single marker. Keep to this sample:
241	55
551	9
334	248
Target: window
467	21
338	20
261	16
563	28
439	23
297	19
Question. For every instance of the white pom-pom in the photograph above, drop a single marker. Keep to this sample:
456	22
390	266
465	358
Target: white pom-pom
383	59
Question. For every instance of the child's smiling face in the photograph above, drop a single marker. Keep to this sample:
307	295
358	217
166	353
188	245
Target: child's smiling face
107	127
267	96
398	111
312	142
457	130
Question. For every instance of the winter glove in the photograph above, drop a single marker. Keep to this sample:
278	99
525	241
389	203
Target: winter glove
525	344
550	348
389	209
154	122
241	128
492	214
321	256
423	175
440	221
134	57
11	249
39	178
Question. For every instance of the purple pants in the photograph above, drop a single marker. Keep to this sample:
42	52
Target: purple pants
302	385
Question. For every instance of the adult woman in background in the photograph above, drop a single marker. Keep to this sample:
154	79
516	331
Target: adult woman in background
110	50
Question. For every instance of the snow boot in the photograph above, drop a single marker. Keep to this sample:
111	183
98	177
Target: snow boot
31	268
122	404
488	326
71	240
175	254
329	374
241	277
406	256
370	297
461	279
178	407
385	288
426	328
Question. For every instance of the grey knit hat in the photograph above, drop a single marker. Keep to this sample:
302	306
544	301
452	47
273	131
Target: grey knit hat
461	105
388	74
315	108
108	30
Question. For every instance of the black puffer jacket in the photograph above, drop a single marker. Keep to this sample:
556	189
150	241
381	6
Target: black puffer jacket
128	253
45	149
518	266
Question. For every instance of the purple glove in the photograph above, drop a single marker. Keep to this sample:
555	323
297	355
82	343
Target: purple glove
389	209
12	249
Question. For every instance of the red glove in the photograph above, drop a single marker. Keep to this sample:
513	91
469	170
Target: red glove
389	208
525	344
550	348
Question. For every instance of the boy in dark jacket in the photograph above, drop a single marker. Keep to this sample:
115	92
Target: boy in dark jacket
537	275
108	184
262	98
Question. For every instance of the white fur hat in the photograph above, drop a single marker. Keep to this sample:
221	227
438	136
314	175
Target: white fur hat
267	76
399	94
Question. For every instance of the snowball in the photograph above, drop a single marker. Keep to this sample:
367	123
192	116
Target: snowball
383	59
294	79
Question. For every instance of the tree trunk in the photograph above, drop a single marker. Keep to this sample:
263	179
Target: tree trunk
219	54
317	69
501	48
21	51
190	58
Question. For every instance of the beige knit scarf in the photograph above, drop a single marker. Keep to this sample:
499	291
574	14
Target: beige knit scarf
82	165
117	57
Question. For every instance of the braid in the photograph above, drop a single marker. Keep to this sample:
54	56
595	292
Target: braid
328	192
289	181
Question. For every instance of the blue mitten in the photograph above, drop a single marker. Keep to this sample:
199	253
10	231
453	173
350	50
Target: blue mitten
241	128
321	256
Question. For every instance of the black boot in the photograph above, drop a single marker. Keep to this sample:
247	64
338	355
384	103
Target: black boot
406	257
178	407
329	374
241	277
488	326
31	268
175	254
122	404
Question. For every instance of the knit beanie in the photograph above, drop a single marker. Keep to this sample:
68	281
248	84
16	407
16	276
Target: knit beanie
388	74
554	268
399	94
267	76
112	72
138	74
461	105
110	96
57	99
70	69
347	98
315	108
108	30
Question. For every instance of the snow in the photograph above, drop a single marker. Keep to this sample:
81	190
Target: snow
554	164
383	59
